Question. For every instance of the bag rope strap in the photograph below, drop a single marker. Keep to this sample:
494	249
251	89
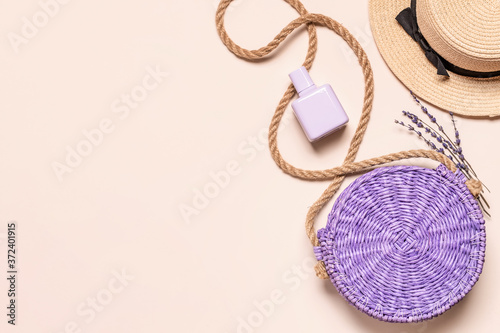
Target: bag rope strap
338	174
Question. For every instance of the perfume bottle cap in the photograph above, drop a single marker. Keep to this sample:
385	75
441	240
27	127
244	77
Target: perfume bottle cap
301	79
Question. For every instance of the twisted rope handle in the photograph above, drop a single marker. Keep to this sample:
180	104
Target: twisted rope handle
337	174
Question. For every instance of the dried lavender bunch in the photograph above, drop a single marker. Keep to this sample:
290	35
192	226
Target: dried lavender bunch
451	150
431	144
455	146
438	140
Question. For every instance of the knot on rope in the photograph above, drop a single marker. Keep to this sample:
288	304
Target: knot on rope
321	270
475	187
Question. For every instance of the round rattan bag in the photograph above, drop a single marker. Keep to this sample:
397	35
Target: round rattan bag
404	243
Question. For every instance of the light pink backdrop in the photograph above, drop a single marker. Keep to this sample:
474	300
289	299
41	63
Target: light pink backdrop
241	261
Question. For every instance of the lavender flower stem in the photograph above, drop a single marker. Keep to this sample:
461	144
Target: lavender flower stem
465	160
449	141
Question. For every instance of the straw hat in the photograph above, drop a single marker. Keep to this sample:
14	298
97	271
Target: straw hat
429	43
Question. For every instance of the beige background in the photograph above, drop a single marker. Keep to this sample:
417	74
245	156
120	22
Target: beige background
119	210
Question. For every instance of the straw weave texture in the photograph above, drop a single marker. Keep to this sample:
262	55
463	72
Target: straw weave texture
404	243
470	46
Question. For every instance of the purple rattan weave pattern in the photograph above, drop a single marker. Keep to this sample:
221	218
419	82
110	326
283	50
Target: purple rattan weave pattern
404	243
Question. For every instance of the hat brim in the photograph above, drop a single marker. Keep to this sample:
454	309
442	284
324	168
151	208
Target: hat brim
460	94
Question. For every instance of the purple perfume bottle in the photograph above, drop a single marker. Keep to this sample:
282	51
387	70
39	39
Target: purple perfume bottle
318	109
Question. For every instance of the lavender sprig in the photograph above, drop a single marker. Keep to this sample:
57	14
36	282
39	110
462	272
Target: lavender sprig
433	120
450	148
429	143
457	134
446	144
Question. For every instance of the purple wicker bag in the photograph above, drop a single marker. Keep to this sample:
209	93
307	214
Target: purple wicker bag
404	243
